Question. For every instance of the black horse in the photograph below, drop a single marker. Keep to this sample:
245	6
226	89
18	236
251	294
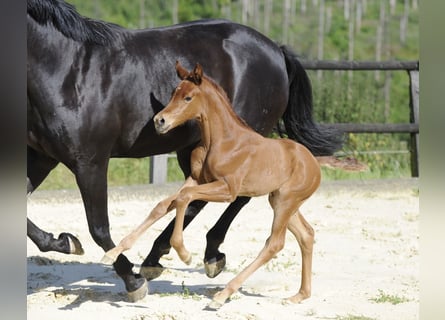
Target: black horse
93	88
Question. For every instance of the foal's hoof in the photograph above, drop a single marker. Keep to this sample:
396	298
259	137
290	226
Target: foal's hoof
151	272
75	247
214	305
139	293
300	296
110	256
188	260
214	266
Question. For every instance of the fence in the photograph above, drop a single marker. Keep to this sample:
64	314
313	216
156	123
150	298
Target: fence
158	164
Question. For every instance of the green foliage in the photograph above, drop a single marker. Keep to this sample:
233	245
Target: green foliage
128	171
174	172
120	172
193	10
59	178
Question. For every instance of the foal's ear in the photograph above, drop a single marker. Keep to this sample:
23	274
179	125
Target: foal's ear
180	70
197	74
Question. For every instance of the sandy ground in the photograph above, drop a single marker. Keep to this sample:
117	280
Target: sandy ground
366	258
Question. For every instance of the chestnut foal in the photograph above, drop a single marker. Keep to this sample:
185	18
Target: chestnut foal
233	160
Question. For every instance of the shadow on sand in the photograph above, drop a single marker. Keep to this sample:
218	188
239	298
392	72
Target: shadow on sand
73	283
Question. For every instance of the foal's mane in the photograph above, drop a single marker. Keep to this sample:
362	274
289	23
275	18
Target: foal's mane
64	17
223	95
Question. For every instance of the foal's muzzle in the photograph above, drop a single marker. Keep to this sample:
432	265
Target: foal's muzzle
160	124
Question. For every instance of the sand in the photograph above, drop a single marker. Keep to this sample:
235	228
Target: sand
365	265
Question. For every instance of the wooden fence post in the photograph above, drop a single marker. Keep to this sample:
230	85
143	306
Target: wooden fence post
158	169
414	118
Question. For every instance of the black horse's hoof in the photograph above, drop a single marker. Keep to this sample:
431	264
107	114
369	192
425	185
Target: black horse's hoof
151	272
214	266
139	293
74	245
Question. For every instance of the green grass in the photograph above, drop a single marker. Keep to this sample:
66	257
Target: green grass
185	293
388	298
353	317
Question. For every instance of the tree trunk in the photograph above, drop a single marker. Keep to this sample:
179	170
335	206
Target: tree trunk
346	10
392	6
351	46
245	11
267	13
387	93
386	53
320	37
358	16
328	23
96	9
286	9
142	18
175	12
404	23
226	11
303	6
379	37
256	13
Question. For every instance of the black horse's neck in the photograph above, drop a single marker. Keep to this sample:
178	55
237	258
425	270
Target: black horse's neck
64	18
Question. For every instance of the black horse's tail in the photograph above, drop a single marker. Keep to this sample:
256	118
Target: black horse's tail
298	120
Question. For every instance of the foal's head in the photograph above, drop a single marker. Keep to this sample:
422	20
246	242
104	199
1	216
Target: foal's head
186	102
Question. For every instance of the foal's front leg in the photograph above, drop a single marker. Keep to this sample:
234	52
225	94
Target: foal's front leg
161	209
217	191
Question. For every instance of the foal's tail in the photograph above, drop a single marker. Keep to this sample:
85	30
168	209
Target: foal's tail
298	121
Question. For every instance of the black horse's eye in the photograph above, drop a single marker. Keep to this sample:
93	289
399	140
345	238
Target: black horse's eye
188	99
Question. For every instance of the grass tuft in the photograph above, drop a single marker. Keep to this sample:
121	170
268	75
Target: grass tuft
388	298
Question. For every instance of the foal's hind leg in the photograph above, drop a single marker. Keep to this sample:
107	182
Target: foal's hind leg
305	237
284	206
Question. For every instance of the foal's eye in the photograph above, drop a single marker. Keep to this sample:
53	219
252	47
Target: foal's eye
188	99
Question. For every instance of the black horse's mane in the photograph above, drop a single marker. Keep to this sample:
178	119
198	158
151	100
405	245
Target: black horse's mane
64	17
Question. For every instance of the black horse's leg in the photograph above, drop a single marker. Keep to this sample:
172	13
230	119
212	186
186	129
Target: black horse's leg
45	241
214	260
92	181
38	167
